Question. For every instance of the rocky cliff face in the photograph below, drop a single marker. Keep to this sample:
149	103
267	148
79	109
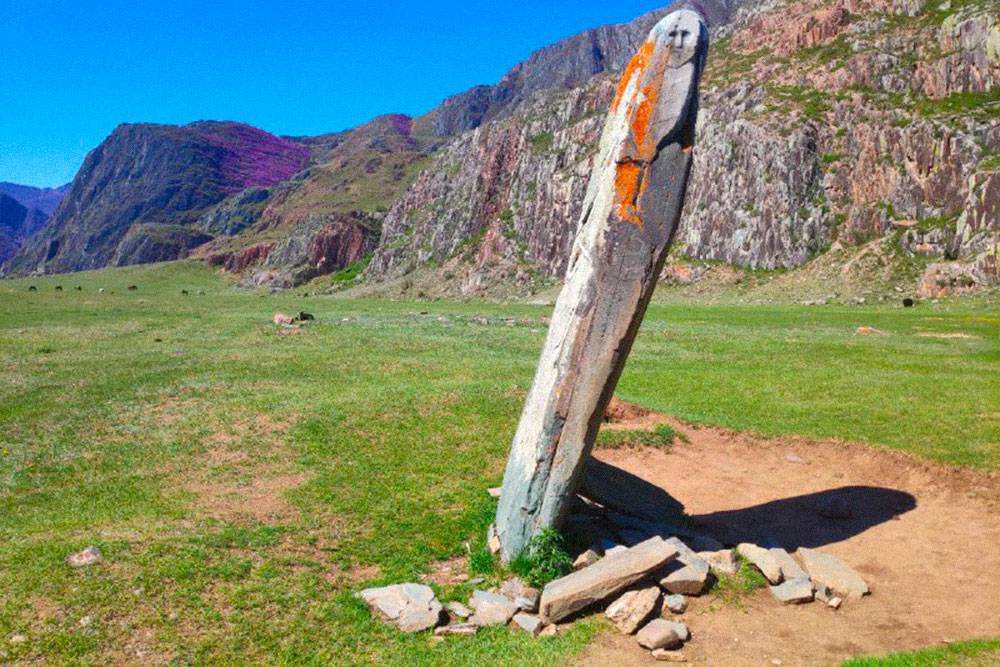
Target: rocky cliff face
140	193
17	224
43	199
824	124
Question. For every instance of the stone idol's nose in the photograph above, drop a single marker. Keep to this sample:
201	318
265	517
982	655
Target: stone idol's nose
679	37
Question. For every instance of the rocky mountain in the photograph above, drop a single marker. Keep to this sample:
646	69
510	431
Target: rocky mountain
43	199
139	194
17	224
827	125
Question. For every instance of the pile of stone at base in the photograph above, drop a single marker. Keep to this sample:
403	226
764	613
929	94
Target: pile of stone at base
644	587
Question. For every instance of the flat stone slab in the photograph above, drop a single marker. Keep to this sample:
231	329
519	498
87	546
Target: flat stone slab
833	573
634	608
789	568
658	634
664	655
86	558
688	580
491	609
528	623
525	597
763	560
610	575
458	610
459	630
410	607
793	591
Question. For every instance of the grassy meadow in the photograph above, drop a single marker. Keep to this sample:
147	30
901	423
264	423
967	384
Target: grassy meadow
243	484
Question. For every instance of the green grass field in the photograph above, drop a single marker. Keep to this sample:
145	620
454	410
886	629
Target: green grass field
242	484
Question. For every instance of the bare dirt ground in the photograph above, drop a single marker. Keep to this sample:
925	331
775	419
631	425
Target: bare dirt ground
924	536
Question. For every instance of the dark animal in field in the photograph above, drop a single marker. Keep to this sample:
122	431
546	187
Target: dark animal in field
184	292
79	288
305	317
32	288
132	288
59	288
909	303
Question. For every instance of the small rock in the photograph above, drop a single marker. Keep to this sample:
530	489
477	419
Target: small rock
283	320
495	493
690	579
762	560
586	559
789	568
86	622
491	609
528	623
657	634
458	610
632	609
411	607
835	603
867	331
834	573
459	629
795	458
525	597
549	631
721	562
476	581
89	556
18	639
663	655
493	540
677	604
793	591
822	593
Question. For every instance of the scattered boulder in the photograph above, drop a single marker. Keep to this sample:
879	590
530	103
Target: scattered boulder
458	610
659	634
610	575
586	559
835	603
528	623
721	562
491	609
677	604
18	639
833	573
664	655
681	630
690	579
793	591
634	608
525	597
459	629
763	560
410	607
789	568
89	556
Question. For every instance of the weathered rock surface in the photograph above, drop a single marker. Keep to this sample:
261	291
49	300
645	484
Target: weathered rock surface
410	607
528	623
633	609
833	573
789	568
793	591
491	609
690	579
763	560
666	655
458	629
659	634
458	610
675	604
721	562
17	224
612	574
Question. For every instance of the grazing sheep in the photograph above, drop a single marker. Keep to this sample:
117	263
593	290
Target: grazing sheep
133	288
32	288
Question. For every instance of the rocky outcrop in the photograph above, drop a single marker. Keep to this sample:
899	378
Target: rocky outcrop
812	134
144	176
44	199
17	224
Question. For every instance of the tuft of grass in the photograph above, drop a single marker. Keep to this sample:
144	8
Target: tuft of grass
544	560
730	589
980	652
662	436
543	142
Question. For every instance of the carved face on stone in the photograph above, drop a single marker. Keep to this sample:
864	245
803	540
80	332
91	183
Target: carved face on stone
684	30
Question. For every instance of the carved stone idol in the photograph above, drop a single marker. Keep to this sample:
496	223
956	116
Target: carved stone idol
630	214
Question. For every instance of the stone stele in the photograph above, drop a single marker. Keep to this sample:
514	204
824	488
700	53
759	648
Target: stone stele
631	211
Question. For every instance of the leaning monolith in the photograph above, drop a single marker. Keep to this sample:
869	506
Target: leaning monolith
630	214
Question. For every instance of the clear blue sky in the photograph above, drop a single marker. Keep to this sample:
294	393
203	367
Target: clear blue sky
70	71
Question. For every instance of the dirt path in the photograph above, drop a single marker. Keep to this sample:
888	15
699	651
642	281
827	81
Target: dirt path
926	537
